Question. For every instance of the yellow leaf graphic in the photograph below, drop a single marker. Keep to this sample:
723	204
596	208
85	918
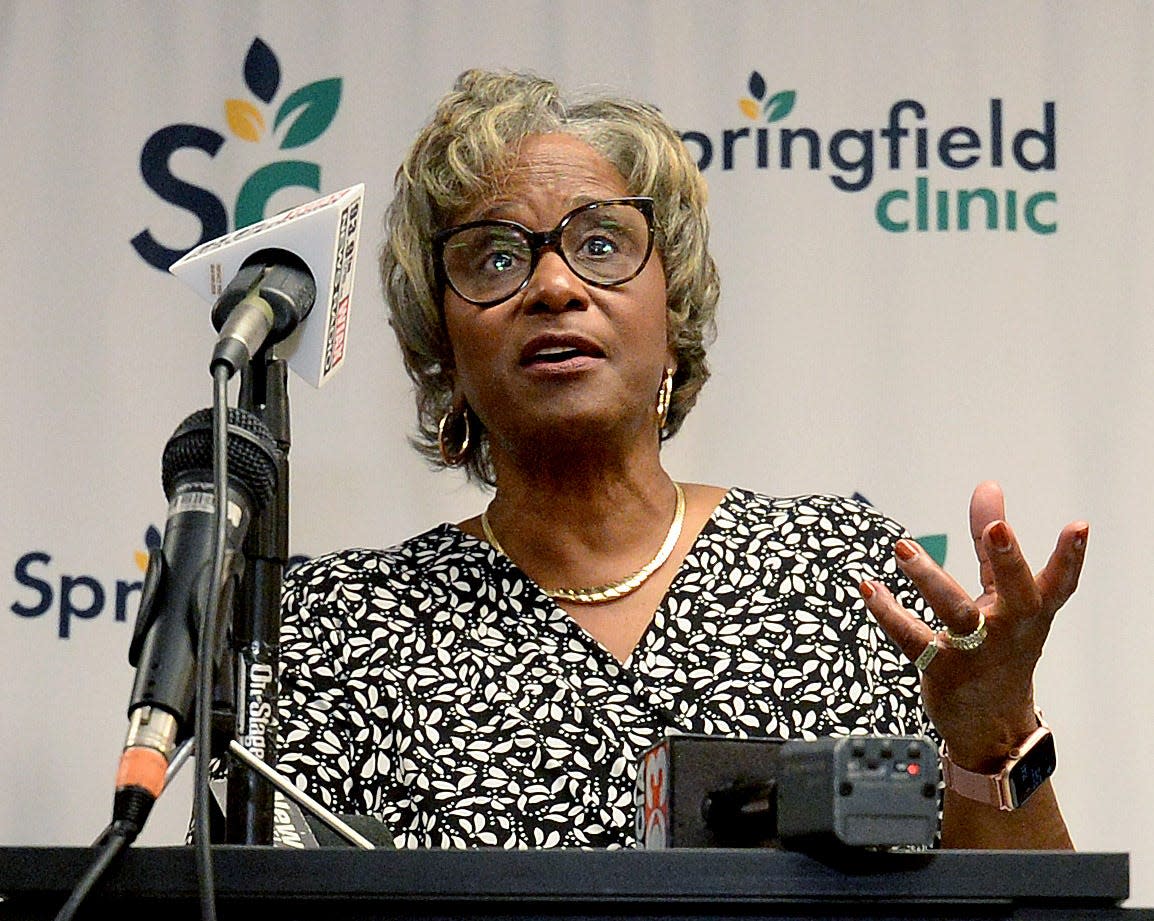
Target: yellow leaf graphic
749	107
244	119
141	560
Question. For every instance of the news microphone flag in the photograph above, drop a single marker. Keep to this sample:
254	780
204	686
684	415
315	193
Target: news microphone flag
323	234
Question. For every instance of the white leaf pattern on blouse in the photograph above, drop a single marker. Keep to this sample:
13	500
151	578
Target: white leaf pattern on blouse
436	687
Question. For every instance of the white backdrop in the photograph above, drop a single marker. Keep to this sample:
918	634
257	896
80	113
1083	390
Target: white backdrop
904	365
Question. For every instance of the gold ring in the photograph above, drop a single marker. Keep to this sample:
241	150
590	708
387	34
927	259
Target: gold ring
970	641
927	655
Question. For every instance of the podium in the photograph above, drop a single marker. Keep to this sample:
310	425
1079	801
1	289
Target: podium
577	885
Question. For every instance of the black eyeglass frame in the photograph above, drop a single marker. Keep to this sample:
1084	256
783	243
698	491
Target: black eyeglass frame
542	239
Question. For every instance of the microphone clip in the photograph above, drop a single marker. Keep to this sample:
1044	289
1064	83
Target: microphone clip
264	303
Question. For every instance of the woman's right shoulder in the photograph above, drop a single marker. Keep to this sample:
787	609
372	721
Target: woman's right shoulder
363	566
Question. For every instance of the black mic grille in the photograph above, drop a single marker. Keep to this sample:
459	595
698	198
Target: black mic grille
252	454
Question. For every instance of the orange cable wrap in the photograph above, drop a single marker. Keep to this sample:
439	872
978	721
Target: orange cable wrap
144	768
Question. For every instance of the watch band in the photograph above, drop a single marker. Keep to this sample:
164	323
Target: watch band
991	789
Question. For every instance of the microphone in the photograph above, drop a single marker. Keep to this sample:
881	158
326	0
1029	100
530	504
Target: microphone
278	267
175	598
271	295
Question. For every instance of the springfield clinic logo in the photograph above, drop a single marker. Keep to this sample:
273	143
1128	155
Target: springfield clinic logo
46	588
70	598
922	159
293	120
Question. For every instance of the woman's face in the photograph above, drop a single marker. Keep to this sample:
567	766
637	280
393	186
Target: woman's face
562	358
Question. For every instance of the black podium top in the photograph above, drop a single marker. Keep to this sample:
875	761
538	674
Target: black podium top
576	884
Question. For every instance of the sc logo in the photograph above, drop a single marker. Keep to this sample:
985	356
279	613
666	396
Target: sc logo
301	118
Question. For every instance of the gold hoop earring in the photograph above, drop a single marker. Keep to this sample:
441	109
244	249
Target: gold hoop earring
449	420
664	398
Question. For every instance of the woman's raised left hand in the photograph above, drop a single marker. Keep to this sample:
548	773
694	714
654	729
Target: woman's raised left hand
981	699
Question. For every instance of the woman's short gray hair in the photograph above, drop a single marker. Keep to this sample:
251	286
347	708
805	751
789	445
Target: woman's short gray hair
452	165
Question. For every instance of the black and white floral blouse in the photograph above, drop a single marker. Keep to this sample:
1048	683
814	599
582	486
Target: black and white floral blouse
434	686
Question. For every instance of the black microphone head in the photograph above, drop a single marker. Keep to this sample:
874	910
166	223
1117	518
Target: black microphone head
284	281
252	454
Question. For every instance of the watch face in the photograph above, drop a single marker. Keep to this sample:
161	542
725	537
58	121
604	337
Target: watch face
1031	772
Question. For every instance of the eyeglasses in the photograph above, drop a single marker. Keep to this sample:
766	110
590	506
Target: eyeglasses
605	243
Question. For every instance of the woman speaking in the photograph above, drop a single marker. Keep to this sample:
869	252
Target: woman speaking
495	682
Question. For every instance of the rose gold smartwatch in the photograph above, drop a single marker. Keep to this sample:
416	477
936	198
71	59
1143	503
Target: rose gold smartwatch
1028	767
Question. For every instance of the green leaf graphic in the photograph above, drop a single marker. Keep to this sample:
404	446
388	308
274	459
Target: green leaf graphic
779	105
317	103
935	546
267	181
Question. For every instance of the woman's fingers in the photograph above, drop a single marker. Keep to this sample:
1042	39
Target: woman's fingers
1059	578
1013	595
907	632
987	505
1012	579
950	602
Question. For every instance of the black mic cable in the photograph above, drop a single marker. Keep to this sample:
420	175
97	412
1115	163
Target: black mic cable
202	796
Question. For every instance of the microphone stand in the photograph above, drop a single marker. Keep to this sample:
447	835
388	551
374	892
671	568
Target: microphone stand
256	619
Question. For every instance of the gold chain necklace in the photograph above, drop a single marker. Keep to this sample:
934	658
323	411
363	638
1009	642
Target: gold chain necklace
613	590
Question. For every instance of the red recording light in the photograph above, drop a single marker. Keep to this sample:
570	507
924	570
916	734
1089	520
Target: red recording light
913	769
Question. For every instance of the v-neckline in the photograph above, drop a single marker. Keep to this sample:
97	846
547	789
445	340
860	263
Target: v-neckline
556	611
